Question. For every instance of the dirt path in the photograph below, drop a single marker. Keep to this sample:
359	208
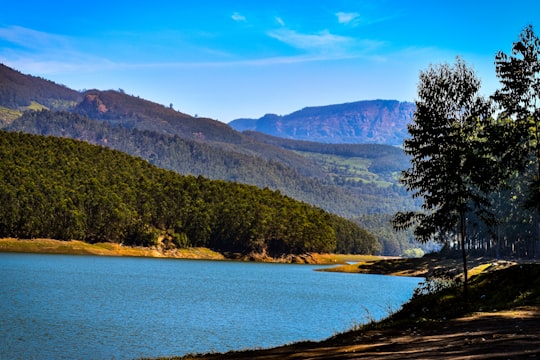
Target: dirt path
499	335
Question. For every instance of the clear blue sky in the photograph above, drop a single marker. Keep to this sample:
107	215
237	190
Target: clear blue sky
233	59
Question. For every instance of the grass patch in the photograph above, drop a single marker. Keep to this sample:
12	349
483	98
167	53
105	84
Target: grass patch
58	104
492	288
75	247
34	106
7	115
421	267
346	169
385	266
343	258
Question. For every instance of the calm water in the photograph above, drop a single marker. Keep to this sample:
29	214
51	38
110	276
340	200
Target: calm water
89	307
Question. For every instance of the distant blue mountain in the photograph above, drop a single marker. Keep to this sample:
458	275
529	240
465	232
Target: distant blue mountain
361	122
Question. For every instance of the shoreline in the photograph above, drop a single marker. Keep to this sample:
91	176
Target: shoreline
512	331
496	322
509	334
76	247
425	266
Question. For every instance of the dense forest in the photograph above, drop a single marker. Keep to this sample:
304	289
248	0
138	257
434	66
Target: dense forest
347	180
66	189
336	185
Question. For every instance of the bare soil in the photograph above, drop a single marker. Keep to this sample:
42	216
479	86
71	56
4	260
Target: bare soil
508	334
422	267
511	334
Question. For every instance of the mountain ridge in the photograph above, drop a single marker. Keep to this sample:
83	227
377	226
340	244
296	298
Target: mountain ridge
16	88
346	179
367	121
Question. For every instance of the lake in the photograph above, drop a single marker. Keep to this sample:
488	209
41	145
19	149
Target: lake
91	307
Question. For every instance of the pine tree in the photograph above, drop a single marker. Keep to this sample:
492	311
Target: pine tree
448	155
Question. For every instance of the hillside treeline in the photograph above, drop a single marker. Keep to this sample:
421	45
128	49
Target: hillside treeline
16	88
66	189
294	175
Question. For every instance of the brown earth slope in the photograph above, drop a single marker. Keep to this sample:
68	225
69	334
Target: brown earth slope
502	335
500	320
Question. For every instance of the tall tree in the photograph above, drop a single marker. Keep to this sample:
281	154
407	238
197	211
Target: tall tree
448	155
519	99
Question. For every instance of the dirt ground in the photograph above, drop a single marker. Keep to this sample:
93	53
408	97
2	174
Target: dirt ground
498	335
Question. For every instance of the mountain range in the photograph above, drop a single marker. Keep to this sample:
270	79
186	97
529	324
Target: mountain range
361	122
350	180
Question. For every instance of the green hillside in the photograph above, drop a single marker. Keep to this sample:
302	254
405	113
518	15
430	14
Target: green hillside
349	180
303	174
66	189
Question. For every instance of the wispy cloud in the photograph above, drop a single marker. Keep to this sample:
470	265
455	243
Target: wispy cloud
325	43
42	53
347	18
32	39
267	61
238	17
45	53
320	41
280	21
39	66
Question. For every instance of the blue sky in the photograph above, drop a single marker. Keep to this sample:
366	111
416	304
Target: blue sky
234	59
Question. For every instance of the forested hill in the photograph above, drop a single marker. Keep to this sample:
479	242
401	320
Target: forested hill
20	92
297	176
385	158
67	189
346	179
118	108
319	179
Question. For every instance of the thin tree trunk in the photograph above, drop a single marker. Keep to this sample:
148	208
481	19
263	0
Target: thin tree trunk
462	234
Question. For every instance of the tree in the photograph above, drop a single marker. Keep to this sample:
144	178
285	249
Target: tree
519	99
450	163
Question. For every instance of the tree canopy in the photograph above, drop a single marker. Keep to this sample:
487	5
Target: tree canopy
519	99
65	189
450	171
471	170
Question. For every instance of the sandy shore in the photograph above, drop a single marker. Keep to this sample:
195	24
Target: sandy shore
75	247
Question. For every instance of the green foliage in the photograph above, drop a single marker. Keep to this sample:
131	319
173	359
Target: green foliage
519	99
7	115
449	169
66	189
392	242
350	171
413	253
500	288
480	173
253	162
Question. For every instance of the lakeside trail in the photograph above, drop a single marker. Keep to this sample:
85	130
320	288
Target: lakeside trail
512	333
499	335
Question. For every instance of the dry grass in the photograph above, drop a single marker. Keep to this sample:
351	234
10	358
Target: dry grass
75	247
420	267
